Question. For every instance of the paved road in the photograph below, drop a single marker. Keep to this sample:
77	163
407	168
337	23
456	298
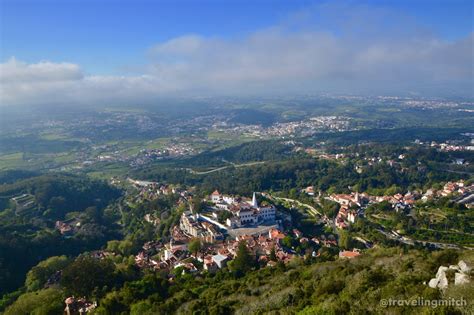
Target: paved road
406	240
224	167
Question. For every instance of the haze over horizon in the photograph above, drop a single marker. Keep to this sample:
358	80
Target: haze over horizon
109	53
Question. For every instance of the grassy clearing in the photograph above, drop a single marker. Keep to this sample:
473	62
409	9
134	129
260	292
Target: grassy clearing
11	161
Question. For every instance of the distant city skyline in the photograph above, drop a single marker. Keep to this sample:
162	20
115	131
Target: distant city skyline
102	52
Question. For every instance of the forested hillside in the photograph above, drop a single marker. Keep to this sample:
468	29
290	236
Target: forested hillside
27	230
312	286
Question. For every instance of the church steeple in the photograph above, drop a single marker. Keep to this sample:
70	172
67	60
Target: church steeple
254	200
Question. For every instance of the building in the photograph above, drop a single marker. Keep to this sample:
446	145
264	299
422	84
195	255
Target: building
347	200
220	260
250	213
351	216
244	212
194	226
216	197
309	190
78	306
348	254
175	252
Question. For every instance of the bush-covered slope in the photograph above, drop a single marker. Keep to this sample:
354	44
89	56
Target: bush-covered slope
356	286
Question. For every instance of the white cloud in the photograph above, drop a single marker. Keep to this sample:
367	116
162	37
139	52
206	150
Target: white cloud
360	54
14	71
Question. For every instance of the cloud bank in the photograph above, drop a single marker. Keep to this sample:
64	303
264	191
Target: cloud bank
361	55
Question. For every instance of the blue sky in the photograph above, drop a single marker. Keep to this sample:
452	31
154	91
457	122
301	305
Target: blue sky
62	49
105	36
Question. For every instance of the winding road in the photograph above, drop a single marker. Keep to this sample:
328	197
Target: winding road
224	167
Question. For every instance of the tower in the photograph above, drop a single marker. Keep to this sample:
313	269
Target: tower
254	201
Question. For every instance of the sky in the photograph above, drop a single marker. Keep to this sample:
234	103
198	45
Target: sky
123	51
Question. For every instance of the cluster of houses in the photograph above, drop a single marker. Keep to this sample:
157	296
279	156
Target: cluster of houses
215	255
291	129
455	187
216	250
451	147
172	150
244	212
152	190
351	204
461	192
347	214
260	246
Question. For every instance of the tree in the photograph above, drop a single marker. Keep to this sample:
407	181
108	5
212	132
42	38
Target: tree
288	241
95	214
86	274
195	246
49	301
39	274
345	240
197	205
113	246
57	205
140	308
273	256
392	190
329	208
222	216
243	261
125	247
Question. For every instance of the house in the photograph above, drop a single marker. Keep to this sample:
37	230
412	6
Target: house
271	263
348	199
309	190
297	233
220	260
351	216
78	306
340	224
210	266
348	254
64	228
216	196
399	207
175	251
276	234
68	227
187	267
428	195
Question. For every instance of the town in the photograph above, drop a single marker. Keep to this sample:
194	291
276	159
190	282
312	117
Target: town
208	239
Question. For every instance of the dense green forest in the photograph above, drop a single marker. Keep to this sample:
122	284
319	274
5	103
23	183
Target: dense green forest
247	152
397	136
29	236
